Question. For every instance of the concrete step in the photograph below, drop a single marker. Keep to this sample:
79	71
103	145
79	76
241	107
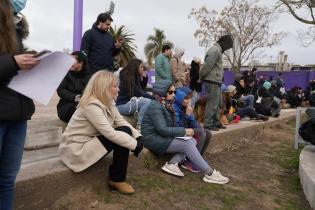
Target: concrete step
307	173
40	155
43	178
43	138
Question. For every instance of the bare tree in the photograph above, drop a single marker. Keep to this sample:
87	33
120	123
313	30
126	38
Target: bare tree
303	11
248	22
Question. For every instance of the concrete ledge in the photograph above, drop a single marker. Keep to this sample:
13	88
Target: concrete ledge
307	173
42	180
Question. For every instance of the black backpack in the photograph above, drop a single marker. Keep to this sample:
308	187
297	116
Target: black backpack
307	131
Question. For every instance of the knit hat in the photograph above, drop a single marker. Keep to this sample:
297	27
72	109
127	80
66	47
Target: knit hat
225	42
161	87
267	85
231	88
179	51
197	60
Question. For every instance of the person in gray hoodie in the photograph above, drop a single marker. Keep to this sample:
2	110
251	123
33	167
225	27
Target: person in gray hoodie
211	75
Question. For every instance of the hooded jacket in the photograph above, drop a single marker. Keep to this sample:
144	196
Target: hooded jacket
100	49
178	67
13	105
182	119
157	126
213	66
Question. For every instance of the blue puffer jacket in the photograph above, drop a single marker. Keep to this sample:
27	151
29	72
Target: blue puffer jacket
157	126
183	120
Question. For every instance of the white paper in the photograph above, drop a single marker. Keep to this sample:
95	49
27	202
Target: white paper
185	138
41	82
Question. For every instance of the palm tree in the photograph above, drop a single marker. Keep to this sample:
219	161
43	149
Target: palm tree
128	48
154	46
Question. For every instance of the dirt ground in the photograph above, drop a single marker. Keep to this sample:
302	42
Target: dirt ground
263	174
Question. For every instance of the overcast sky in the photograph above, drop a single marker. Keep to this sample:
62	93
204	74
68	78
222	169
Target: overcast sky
51	25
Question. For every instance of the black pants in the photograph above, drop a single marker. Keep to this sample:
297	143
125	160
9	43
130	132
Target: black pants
118	170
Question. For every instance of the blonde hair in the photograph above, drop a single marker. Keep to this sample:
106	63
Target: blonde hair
99	87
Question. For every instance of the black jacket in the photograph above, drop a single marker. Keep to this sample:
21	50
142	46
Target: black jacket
100	49
138	90
239	90
73	84
194	76
13	106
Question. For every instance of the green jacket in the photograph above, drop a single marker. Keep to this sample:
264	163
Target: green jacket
157	128
162	68
212	69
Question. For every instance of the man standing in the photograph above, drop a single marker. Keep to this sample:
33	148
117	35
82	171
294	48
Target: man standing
178	68
211	74
99	45
162	65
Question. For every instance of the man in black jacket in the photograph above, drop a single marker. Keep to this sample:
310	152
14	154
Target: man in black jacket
99	45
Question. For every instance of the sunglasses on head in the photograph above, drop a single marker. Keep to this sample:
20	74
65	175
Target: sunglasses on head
170	92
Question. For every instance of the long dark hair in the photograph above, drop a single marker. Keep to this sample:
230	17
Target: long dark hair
130	72
8	44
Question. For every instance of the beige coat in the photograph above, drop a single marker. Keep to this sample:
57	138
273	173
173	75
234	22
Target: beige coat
178	72
80	147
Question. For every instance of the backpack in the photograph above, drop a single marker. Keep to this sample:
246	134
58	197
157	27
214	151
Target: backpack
307	131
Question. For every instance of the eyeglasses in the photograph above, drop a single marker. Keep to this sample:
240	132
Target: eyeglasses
170	92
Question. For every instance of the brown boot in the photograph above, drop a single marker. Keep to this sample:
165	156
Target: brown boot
121	187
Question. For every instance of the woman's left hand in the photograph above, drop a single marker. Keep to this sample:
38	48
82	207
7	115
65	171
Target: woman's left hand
26	61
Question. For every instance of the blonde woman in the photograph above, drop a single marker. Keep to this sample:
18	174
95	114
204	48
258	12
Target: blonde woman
96	128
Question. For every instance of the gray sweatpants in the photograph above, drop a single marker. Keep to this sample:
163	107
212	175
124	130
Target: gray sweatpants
212	112
187	148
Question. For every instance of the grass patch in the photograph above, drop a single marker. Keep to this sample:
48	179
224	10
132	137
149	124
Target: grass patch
288	159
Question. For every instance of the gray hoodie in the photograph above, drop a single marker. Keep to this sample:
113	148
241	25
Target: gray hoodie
212	69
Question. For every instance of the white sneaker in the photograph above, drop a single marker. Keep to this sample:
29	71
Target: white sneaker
216	177
172	169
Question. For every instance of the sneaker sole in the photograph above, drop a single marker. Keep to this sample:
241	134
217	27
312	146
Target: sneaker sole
171	172
215	182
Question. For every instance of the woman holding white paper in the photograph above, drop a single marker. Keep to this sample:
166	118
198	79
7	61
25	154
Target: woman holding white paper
15	109
161	135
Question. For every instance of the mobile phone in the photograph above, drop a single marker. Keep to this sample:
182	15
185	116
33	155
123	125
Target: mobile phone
43	52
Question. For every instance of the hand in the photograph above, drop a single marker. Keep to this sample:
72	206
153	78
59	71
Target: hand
144	74
199	81
189	110
77	98
139	146
26	61
118	44
189	132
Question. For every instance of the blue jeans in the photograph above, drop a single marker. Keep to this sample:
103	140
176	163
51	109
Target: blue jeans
136	106
12	139
249	100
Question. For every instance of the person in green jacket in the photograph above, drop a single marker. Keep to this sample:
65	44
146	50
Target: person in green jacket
162	64
161	136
